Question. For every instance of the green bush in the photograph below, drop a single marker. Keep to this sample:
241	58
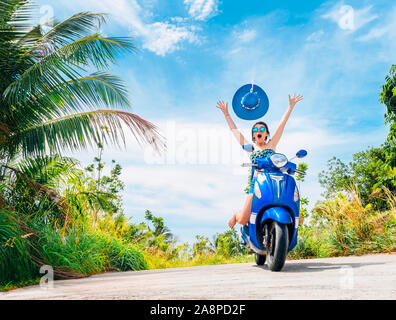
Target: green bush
228	244
308	245
75	251
87	252
125	256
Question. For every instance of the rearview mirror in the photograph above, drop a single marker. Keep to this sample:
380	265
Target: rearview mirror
301	154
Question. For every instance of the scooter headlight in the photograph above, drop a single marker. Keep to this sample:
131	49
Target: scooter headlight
279	160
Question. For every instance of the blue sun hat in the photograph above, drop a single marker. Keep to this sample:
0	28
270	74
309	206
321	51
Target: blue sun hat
250	102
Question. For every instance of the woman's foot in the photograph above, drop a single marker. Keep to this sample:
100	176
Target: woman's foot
232	222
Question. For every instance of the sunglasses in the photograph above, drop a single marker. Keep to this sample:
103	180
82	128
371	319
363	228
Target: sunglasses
262	129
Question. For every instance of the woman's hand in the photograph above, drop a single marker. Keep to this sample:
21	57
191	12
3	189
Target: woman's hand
222	106
293	100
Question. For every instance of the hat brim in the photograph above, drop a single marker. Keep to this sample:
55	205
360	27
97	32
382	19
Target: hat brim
247	114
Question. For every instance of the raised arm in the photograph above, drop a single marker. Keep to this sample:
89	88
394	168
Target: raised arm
238	135
279	130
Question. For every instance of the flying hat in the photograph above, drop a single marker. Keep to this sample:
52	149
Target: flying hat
250	102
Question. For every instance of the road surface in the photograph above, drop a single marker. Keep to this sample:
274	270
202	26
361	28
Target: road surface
363	277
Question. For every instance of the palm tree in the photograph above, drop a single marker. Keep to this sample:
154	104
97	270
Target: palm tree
48	102
160	230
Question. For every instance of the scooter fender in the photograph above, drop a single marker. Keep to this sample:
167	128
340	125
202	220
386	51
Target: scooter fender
278	214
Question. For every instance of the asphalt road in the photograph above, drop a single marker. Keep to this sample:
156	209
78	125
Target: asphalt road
363	277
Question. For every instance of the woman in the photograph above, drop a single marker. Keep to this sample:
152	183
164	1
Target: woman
263	147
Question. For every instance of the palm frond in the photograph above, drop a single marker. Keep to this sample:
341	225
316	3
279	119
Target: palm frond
64	64
77	131
38	79
98	89
14	14
97	200
95	49
38	187
69	30
15	19
28	38
52	171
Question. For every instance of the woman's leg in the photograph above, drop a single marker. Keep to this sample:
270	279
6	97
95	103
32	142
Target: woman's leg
242	216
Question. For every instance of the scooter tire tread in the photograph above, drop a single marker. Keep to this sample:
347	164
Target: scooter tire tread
281	246
260	259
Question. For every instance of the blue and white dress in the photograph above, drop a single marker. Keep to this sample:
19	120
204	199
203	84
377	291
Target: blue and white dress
254	154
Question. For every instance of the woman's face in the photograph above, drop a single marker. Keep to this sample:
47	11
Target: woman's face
260	133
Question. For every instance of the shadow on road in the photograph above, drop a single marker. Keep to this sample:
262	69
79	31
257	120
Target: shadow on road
317	266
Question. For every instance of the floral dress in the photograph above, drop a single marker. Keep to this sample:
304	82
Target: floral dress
256	154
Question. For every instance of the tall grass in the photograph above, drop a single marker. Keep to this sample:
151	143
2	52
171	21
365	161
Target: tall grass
72	253
75	251
125	256
308	244
15	261
343	226
86	251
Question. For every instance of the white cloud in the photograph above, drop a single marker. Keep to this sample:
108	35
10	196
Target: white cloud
160	37
374	34
201	9
384	30
246	35
185	190
315	36
349	18
164	37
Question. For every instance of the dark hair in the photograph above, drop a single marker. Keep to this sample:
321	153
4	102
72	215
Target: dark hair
266	128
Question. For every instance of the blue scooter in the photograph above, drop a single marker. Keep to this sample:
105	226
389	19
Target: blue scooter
272	230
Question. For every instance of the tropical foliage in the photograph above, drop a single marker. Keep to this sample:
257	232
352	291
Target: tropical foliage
56	94
374	168
358	214
343	226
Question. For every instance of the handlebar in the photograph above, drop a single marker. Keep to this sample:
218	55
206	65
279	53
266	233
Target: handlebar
256	165
249	165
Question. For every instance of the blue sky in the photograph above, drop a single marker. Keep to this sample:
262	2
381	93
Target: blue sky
195	52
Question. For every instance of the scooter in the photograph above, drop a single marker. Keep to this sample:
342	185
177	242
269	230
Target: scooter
273	227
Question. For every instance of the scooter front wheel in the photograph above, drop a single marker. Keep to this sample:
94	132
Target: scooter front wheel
260	259
277	246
